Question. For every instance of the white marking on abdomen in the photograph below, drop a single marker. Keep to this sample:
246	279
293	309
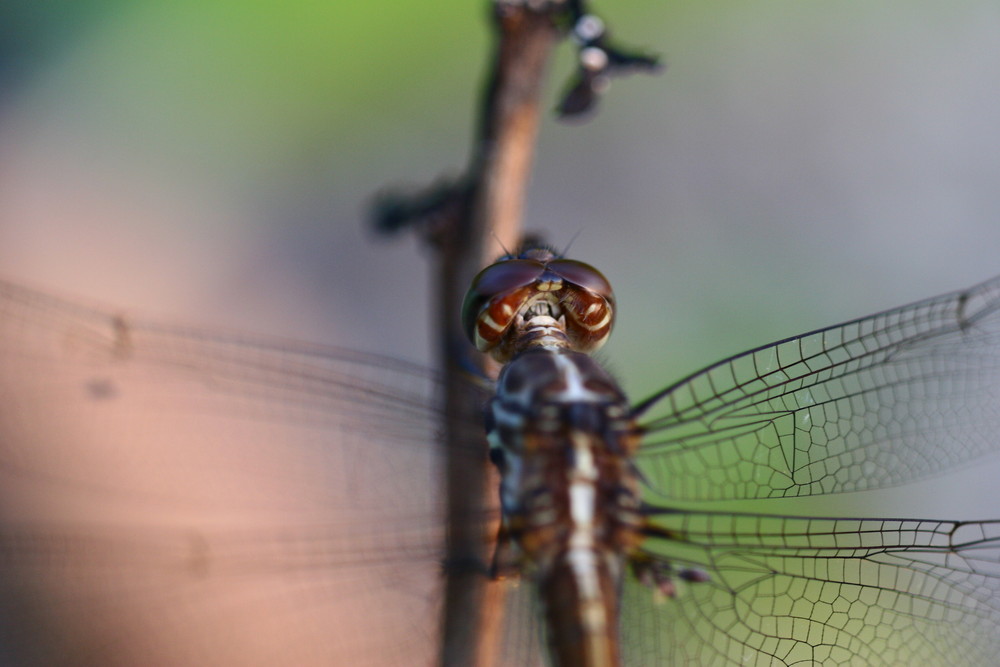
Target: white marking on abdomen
581	556
582	492
583	562
581	512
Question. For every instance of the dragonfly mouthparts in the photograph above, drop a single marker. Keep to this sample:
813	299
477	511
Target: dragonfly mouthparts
541	329
542	307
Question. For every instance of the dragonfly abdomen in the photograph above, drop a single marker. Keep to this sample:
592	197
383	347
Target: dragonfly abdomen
580	598
561	436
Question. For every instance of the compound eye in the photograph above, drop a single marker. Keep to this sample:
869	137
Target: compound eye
584	275
588	302
495	282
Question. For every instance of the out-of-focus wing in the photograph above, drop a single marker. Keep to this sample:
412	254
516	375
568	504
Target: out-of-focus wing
172	496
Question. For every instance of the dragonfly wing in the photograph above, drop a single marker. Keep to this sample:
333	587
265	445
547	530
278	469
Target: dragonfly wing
522	640
872	403
178	497
360	427
86	594
795	591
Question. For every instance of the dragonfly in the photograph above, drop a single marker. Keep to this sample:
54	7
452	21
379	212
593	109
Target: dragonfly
176	496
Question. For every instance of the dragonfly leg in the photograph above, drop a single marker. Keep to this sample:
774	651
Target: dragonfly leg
507	556
660	575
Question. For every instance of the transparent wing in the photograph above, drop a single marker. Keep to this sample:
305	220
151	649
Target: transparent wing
872	403
195	498
803	591
171	496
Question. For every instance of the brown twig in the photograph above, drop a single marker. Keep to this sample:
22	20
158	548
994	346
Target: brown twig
495	197
469	222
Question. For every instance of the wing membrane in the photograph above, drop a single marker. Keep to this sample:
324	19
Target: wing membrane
176	496
194	497
872	403
795	591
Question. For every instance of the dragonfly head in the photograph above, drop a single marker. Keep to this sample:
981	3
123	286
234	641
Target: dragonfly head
537	298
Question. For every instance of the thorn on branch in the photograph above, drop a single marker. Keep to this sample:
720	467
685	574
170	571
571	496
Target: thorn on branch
598	61
429	210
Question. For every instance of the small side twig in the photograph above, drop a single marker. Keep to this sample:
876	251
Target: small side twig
597	62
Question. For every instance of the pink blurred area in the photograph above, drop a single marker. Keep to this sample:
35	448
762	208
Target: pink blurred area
174	498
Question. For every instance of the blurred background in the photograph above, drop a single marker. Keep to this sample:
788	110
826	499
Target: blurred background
797	164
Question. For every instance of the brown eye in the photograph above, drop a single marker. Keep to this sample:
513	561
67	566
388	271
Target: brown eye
583	275
495	281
